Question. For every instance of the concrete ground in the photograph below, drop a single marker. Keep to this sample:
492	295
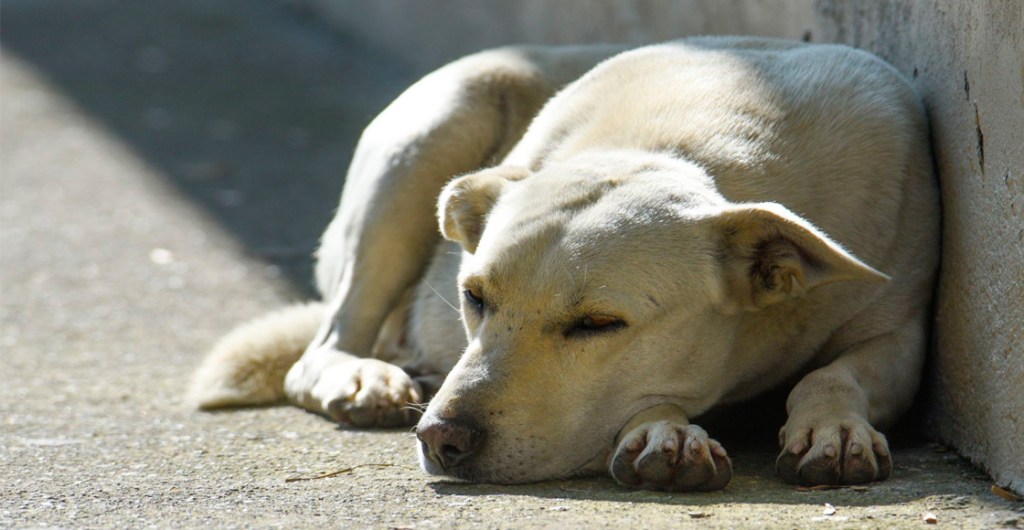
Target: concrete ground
166	169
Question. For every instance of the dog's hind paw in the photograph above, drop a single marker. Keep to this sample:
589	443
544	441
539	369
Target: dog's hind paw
838	452
368	393
668	456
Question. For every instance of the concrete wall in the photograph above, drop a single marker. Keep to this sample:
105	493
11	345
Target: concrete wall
967	60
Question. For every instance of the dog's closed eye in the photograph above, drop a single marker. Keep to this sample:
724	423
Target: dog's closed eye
594	325
475	301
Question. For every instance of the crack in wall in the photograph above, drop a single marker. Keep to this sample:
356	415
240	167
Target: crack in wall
981	139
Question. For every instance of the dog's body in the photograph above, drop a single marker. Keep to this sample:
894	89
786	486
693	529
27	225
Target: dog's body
663	237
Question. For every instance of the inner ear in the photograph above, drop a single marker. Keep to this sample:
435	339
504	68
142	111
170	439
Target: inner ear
770	255
465	202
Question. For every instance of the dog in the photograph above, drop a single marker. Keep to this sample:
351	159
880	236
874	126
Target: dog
632	238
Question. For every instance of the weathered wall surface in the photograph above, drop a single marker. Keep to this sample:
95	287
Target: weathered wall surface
966	59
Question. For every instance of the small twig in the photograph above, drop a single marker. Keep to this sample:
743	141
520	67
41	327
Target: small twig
1006	494
340	472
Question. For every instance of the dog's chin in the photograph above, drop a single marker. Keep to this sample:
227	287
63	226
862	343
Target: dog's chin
428	465
595	466
462	473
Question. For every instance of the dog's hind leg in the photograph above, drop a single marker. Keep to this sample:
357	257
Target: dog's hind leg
462	117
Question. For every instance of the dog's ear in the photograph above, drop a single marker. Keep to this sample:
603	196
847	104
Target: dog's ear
465	202
771	254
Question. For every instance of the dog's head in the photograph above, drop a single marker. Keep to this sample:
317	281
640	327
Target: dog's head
595	289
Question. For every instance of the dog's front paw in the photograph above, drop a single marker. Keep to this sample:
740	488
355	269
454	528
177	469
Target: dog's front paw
669	456
846	451
367	393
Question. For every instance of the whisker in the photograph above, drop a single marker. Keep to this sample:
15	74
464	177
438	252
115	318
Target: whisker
418	407
443	299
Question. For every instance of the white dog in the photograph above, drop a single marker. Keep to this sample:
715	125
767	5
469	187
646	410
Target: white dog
678	227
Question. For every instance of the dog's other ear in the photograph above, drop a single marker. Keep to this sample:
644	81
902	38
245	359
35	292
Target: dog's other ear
465	202
771	254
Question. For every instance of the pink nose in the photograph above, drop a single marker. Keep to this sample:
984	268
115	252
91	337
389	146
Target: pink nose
449	443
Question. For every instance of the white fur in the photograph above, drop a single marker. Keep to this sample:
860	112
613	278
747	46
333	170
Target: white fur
748	211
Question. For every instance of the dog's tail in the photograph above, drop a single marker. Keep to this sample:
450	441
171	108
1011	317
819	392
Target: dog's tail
248	366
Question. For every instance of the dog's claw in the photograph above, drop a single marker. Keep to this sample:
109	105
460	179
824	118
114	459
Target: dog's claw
833	454
671	457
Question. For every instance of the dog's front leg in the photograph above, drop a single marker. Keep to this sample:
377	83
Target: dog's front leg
660	449
830	436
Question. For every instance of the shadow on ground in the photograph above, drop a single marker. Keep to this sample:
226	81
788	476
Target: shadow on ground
248	108
755	483
747	431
